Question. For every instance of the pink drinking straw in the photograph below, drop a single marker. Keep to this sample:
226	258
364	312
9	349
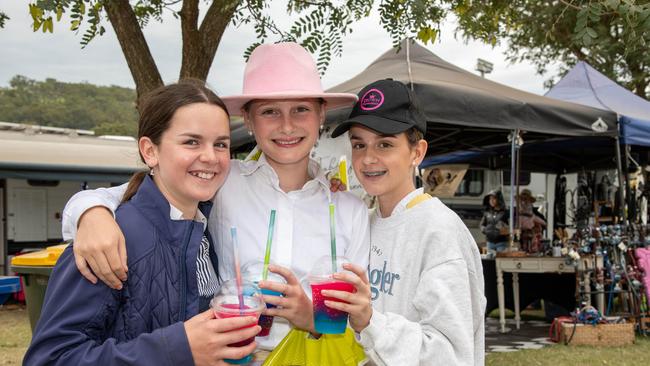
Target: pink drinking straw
235	248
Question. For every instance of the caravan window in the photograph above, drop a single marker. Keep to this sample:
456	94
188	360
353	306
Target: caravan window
524	178
472	183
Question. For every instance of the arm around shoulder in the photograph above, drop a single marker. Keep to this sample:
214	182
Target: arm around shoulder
84	200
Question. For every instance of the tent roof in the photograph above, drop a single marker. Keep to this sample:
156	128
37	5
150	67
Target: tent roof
555	155
585	85
464	110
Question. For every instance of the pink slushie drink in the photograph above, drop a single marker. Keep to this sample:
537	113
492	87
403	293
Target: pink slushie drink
326	319
226	305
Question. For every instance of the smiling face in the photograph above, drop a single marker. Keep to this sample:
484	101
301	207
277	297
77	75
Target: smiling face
192	159
285	130
384	164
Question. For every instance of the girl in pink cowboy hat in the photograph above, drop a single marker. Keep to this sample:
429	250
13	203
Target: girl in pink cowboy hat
283	105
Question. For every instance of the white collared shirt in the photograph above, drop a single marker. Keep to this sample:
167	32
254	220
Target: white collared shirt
176	214
301	234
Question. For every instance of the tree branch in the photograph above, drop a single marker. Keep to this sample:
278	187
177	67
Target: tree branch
134	46
570	5
200	45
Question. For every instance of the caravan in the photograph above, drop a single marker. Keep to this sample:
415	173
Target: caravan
40	169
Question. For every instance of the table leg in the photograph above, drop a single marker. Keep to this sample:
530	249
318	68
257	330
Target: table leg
600	299
587	287
515	288
500	291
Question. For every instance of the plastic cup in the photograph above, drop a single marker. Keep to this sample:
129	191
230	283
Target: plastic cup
253	272
225	304
326	319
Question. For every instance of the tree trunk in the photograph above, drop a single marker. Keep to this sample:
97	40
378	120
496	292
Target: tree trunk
200	43
134	46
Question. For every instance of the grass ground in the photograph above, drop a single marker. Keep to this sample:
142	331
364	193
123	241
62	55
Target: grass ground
15	336
636	354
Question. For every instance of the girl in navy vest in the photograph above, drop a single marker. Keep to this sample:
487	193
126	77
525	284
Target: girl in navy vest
158	317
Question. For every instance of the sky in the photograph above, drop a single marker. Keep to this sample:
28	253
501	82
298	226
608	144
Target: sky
59	55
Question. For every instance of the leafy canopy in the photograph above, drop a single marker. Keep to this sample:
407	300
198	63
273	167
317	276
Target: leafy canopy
320	26
611	35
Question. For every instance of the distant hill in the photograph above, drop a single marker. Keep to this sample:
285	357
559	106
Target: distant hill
107	110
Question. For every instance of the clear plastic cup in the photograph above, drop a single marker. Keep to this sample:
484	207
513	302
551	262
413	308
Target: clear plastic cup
225	304
326	319
252	272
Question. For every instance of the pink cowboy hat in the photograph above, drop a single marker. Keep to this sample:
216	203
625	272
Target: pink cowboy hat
283	71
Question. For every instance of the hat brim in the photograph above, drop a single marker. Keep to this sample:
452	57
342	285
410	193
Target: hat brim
234	103
528	198
376	123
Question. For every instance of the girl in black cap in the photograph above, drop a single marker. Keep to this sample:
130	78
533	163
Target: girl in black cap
422	302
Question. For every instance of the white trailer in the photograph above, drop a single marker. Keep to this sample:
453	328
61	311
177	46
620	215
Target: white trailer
41	168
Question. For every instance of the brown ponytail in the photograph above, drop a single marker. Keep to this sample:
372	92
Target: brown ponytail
157	109
134	184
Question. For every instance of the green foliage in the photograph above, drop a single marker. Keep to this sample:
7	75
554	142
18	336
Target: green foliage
116	128
107	110
90	11
3	19
611	35
320	26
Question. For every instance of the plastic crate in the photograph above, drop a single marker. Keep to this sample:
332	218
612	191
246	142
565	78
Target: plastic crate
8	286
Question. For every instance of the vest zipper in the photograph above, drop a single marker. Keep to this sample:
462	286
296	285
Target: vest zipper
183	267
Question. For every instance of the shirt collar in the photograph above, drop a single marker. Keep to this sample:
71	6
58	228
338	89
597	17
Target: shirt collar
401	205
256	160
176	214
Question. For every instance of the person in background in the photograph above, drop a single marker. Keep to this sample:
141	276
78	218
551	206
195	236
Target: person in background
494	223
283	105
531	222
153	319
422	301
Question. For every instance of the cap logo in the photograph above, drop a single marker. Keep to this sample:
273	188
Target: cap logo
372	100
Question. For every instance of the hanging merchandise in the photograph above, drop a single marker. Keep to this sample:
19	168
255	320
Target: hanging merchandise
559	206
602	189
584	202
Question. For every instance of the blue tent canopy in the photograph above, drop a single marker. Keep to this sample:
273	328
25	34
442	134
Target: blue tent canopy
584	85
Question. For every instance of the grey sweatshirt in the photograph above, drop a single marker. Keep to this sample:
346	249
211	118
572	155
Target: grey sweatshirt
427	288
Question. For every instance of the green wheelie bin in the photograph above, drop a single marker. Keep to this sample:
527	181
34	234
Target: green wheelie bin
35	269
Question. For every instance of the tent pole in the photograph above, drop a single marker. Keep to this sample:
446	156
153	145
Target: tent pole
619	166
513	145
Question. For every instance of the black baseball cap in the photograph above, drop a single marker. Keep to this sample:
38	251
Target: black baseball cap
385	106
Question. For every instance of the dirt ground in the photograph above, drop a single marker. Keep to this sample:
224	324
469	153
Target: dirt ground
15	334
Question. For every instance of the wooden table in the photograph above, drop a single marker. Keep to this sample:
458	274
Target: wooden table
517	265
